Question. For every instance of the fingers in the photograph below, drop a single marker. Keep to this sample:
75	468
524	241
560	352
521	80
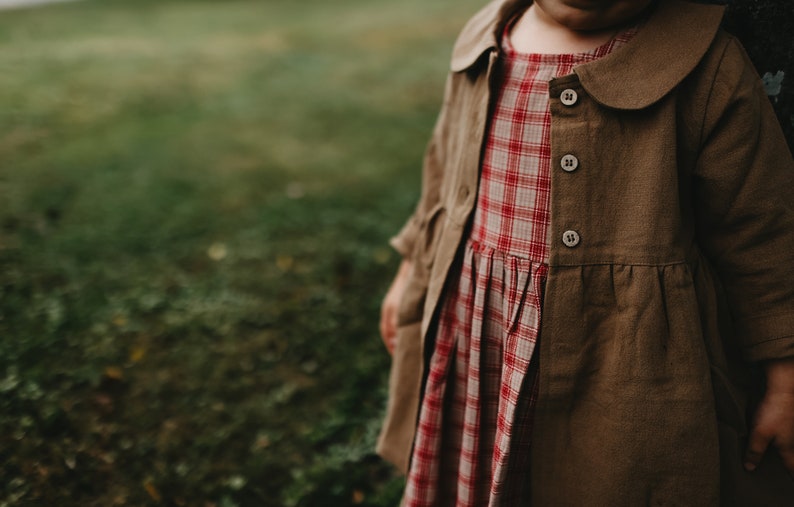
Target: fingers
787	454
388	322
757	445
388	328
388	311
774	423
784	443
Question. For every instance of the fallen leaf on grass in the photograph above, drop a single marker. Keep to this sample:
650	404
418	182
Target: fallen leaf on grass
358	496
104	403
137	353
152	491
262	442
284	262
114	373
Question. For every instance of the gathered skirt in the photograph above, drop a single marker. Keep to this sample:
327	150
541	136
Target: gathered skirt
476	417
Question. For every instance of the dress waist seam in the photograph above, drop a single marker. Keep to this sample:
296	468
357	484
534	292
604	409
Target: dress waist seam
481	248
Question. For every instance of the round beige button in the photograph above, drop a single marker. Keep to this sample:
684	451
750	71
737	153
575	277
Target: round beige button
570	238
463	194
569	163
569	97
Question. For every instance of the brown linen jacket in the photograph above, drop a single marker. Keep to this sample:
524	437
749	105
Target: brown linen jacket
679	276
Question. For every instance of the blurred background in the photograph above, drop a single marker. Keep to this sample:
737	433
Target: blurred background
195	198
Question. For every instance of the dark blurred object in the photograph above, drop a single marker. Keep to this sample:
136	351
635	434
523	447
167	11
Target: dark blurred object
766	29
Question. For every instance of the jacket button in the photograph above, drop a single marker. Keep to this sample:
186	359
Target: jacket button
570	238
569	163
463	194
569	97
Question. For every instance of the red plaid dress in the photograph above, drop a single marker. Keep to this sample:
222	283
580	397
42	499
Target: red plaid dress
475	422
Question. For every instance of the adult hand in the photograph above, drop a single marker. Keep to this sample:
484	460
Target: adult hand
774	418
388	309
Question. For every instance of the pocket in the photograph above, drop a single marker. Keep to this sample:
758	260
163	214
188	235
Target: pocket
405	379
412	303
427	243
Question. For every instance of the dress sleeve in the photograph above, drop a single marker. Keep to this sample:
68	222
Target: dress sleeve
432	172
744	202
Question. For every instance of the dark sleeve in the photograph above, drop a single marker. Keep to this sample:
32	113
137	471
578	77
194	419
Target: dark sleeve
744	183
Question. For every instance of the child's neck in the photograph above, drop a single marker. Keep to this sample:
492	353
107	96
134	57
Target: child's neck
537	32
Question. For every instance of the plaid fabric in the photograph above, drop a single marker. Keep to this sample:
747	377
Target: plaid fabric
475	423
512	213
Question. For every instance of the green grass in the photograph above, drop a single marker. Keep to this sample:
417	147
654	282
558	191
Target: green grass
196	198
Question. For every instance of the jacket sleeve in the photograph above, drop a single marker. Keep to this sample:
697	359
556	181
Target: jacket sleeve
432	171
744	201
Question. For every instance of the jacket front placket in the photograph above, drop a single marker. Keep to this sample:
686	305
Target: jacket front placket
460	195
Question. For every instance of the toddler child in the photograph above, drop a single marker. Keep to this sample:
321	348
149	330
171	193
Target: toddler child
602	251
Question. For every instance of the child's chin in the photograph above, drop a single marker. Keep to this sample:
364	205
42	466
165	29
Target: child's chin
586	24
577	16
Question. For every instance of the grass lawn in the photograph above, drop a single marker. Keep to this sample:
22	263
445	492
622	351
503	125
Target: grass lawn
195	198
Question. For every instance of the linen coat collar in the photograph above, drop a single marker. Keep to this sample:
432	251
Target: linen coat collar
667	48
